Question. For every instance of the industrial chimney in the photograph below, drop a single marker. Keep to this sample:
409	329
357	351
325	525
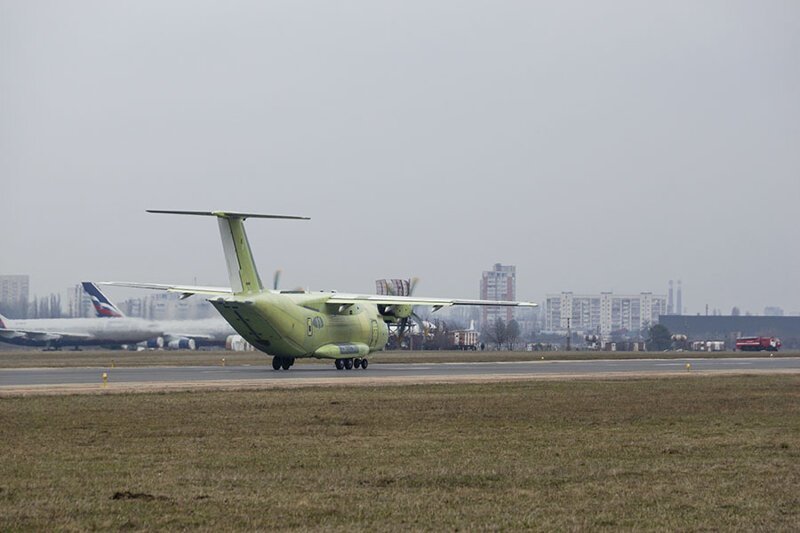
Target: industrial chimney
670	306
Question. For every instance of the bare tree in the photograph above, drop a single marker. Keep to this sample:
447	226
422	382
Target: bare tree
512	334
496	333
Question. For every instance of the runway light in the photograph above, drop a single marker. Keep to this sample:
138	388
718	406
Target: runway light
688	366
113	364
105	379
223	361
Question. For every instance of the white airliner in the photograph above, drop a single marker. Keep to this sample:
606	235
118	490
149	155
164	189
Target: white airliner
177	334
57	333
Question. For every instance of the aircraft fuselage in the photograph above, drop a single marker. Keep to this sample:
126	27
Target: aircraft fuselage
300	325
58	332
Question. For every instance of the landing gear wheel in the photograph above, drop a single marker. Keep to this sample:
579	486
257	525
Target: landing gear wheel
348	364
286	363
364	364
339	364
276	363
357	363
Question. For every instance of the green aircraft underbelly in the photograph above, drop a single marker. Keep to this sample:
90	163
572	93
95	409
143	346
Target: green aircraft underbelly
278	326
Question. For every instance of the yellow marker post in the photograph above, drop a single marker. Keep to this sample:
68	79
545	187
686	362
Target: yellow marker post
688	366
223	361
113	364
105	379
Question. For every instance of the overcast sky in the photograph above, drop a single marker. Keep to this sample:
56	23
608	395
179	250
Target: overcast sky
598	146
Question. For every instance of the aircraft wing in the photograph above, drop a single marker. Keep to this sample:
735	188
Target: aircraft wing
184	290
195	336
340	298
43	336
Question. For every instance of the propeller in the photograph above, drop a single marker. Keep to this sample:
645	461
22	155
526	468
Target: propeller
403	323
276	279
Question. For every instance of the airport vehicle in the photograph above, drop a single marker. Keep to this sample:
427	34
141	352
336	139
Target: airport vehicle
463	339
296	324
56	333
708	346
757	344
177	334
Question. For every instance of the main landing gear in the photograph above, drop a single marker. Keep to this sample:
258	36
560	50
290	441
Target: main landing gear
349	364
282	362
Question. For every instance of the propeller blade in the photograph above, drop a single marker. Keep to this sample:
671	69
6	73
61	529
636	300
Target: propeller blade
420	323
412	284
401	331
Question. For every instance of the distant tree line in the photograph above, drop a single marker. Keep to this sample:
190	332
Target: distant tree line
14	309
43	307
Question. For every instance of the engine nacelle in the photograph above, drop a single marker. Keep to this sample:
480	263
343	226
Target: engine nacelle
152	344
397	311
235	343
182	344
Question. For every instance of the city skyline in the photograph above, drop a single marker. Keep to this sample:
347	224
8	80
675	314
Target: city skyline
75	294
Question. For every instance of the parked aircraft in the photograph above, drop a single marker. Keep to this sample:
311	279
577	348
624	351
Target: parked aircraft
178	334
56	333
297	324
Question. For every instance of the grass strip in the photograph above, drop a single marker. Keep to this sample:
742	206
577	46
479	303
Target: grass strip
713	453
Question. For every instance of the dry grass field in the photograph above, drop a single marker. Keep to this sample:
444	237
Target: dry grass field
105	358
675	454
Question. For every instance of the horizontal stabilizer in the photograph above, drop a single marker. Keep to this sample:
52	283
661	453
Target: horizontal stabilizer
242	270
226	214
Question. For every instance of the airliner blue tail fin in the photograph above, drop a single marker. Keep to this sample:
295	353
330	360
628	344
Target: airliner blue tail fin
102	305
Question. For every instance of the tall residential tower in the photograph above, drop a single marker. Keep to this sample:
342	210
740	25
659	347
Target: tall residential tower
500	283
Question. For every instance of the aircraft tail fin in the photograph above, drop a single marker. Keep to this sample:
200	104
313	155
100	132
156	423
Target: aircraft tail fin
242	270
3	321
103	307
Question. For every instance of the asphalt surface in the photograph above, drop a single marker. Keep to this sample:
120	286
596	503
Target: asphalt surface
42	379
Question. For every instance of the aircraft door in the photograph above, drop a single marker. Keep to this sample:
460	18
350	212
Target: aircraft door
373	337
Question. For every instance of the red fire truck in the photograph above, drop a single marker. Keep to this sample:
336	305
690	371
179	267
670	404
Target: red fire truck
757	344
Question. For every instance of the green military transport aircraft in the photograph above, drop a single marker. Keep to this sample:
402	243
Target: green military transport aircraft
291	324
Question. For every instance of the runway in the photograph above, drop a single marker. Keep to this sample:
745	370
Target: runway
49	380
